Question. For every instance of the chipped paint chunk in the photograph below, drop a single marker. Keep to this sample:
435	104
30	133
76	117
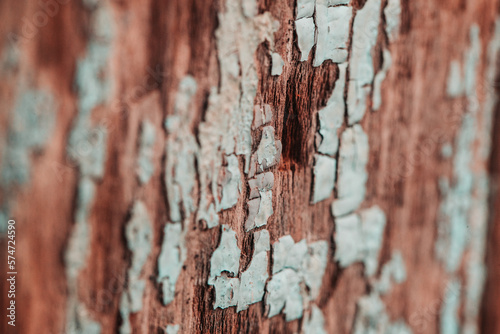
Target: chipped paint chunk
295	265
332	25
138	233
231	185
359	238
392	271
262	115
331	117
277	64
305	8
171	259
253	280
324	177
449	317
226	258
361	71
145	167
315	323
268	152
305	36
226	291
182	152
258	215
32	123
379	78
352	175
392	13
172	329
226	129
284	293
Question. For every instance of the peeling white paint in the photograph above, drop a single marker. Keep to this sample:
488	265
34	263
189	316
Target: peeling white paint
277	64
361	71
226	258
359	238
392	13
315	323
295	266
332	24
182	151
253	280
331	117
352	175
171	259
379	78
262	115
138	233
305	8
229	117
393	271
324	177
145	167
305	36
172	329
231	184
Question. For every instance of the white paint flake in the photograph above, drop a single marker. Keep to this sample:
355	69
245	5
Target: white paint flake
295	266
392	13
305	8
227	127
332	24
277	64
171	259
262	115
226	258
231	184
324	177
315	323
352	175
331	117
138	233
182	151
379	78
305	36
359	238
361	71
145	166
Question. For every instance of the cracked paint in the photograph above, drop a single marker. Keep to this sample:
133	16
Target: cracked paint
145	166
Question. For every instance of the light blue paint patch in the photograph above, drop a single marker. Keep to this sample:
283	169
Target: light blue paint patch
371	316
253	280
472	59
361	71
392	13
284	293
227	128
379	78
359	238
305	36
231	185
331	117
295	266
172	256
87	143
172	329
332	26
33	121
78	245
399	327
393	271
145	167
226	258
454	209
139	235
447	151
449	319
75	257
305	8
182	152
352	175
324	177
277	64
315	323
